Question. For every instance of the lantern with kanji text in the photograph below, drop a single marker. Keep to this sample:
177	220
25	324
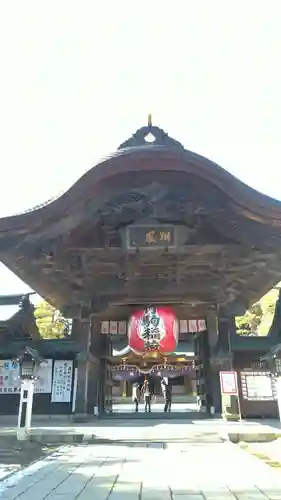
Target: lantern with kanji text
153	329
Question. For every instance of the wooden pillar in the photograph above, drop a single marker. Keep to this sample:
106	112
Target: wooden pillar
227	330
214	377
102	348
216	391
213	328
187	385
200	371
193	387
220	332
83	336
88	368
124	389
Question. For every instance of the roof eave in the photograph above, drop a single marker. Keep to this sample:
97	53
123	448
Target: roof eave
250	200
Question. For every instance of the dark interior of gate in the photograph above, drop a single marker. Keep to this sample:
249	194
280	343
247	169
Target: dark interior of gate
151	225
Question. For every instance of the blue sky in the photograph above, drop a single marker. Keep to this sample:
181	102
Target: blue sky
78	77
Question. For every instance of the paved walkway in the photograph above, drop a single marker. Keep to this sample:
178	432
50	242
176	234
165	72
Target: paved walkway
152	471
157	407
271	450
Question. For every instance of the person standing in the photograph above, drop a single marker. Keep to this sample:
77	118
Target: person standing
167	393
147	396
136	396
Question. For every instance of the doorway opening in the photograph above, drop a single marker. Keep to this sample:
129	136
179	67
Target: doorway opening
183	394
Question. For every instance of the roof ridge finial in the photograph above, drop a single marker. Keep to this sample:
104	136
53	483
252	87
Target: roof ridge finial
150	135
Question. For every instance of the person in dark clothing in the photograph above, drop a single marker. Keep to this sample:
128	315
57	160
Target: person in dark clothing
167	393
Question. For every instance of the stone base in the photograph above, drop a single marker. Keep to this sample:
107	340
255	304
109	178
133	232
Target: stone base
253	437
228	417
23	434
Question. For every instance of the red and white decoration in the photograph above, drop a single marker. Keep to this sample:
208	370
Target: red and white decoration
153	329
113	328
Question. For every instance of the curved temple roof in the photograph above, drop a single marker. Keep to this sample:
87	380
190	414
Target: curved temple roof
239	258
150	148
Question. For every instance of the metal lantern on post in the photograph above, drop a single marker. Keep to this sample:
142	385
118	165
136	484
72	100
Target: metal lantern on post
26	367
28	360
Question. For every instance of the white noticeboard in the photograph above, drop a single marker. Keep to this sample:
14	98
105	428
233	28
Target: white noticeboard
10	382
259	387
44	373
62	381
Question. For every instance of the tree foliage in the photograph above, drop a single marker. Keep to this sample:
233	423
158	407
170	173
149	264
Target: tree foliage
50	322
257	320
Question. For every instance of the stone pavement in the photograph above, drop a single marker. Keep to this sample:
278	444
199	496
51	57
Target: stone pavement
267	451
146	471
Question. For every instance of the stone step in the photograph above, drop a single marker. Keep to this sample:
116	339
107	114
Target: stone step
156	415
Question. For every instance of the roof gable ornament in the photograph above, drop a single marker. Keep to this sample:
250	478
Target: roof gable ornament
150	135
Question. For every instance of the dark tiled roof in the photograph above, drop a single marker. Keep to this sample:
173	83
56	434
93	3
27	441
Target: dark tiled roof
44	347
240	343
243	343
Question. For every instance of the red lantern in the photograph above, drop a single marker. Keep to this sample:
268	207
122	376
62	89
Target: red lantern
153	329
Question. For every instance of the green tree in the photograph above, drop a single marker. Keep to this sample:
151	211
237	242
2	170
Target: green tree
257	320
268	303
50	322
250	322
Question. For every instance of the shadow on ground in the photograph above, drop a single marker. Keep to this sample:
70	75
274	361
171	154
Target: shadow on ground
21	454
